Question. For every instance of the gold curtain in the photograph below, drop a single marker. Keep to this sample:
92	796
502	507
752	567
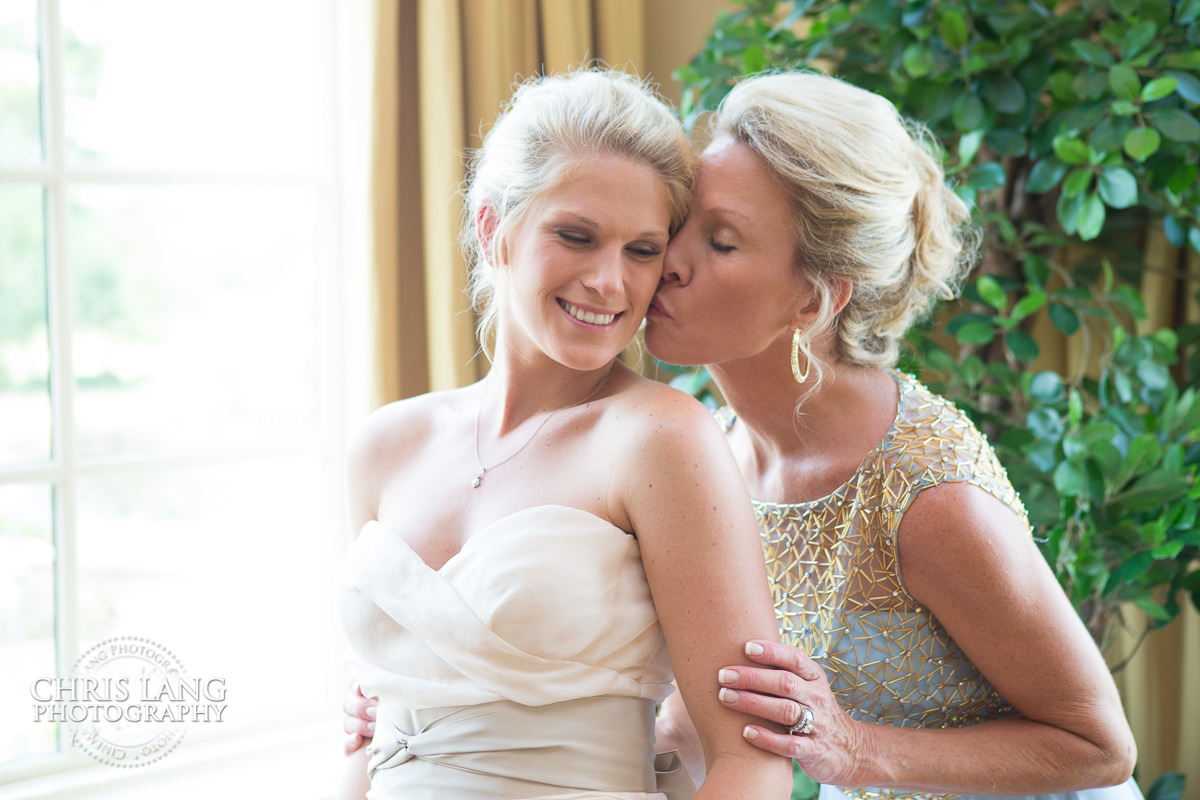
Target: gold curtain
443	70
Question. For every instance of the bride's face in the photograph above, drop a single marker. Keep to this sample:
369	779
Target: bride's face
582	265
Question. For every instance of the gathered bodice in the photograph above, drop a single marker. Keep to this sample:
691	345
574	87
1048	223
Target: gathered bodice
544	605
837	585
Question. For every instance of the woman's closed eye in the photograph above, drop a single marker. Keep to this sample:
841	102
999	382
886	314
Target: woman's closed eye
720	247
645	252
574	237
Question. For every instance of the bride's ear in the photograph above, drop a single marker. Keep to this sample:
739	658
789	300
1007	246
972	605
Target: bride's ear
486	224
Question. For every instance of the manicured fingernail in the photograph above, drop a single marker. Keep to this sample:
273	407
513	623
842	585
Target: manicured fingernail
727	676
749	733
371	727
727	695
372	711
754	649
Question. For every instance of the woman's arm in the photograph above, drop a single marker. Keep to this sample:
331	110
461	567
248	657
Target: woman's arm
966	557
687	504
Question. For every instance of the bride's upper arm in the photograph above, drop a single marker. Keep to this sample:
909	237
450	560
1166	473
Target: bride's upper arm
699	542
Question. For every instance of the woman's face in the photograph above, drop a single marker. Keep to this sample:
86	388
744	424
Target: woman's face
729	288
583	263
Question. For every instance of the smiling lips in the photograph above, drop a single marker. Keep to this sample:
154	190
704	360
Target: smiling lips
589	317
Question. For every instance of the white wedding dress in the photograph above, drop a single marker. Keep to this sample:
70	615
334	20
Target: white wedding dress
529	665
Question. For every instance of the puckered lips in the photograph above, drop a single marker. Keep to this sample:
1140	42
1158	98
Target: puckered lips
589	316
657	310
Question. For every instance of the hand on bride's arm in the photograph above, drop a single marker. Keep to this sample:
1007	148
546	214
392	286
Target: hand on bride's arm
788	683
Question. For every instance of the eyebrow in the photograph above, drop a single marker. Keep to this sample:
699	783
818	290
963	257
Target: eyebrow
729	212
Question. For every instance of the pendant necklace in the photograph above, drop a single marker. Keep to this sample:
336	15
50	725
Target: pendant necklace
482	469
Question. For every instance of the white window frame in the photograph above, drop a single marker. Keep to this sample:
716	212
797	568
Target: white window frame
298	757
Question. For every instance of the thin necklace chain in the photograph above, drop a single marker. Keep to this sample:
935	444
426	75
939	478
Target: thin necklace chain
482	469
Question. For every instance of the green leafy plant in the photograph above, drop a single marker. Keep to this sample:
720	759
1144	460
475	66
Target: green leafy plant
1070	129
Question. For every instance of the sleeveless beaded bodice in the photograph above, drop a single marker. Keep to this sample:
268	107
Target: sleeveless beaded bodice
836	581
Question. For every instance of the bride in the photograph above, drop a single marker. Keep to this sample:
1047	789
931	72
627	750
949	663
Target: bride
532	545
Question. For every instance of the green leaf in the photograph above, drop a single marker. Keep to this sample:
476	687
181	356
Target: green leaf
1069	478
1153	374
1176	124
1078	180
991	292
968	146
1045	175
1158	88
1141	143
1153	609
1118	188
1091	217
1046	386
1137	37
1045	424
1022	345
917	60
753	60
1123	80
1168	550
1006	143
976	333
1143	455
1067	209
1124	108
968	112
1071	149
954	29
1028	305
1152	490
1075	407
1092	52
1005	93
1169	785
1037	270
1188	84
989	176
1064	318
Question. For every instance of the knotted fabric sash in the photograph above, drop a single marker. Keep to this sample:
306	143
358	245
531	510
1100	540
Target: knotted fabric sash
505	751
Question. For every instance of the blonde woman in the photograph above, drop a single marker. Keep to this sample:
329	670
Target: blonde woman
933	651
532	544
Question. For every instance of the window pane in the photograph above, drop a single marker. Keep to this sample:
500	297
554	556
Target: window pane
192	85
26	616
20	108
24	343
223	566
195	316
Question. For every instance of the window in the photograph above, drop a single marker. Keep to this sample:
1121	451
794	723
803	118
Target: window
171	331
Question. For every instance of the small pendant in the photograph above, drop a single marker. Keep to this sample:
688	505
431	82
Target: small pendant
478	478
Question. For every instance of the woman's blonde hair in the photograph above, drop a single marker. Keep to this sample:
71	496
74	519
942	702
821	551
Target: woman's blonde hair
869	202
550	123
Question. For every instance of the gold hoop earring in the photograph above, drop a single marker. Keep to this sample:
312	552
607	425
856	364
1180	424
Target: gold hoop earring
800	345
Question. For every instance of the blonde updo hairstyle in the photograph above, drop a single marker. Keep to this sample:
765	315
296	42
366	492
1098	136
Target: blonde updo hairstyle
549	125
869	202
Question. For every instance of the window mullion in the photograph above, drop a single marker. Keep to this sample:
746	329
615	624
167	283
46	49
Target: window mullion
62	389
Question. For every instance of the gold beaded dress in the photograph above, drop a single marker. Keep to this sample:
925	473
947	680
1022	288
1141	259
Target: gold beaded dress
840	596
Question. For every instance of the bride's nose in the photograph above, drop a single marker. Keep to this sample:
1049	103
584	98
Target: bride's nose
675	262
